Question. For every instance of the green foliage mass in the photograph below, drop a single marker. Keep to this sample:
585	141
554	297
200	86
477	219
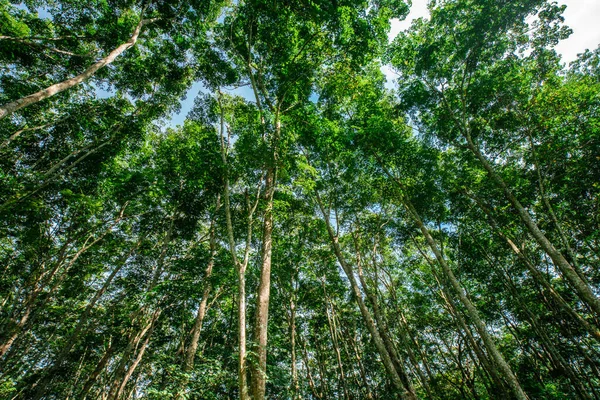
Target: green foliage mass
436	240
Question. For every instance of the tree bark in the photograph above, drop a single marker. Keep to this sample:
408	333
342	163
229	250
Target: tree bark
399	379
259	367
583	290
382	325
16	105
72	340
197	329
295	387
334	341
33	297
472	312
91	380
536	274
240	266
138	357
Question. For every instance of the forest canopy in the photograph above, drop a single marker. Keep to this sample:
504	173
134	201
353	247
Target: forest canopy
325	235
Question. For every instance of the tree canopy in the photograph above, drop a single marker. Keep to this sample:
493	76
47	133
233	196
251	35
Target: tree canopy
330	235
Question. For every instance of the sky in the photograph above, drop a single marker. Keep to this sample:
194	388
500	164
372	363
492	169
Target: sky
582	16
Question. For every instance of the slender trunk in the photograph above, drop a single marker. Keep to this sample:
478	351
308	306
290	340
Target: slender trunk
240	266
472	312
197	329
120	369
323	382
451	305
466	333
32	300
537	275
295	388
77	374
553	216
138	358
50	374
243	384
336	347
556	358
399	379
361	366
91	380
382	325
259	367
409	337
311	381
16	105
583	290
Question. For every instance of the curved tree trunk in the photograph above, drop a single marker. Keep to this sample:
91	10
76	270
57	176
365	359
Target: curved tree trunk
50	91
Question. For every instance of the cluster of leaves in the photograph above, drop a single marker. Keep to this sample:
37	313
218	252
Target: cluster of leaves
406	224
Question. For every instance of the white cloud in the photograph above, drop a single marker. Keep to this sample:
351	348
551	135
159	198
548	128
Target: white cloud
582	16
417	10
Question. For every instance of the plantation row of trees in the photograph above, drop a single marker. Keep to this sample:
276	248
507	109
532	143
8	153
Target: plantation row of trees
325	238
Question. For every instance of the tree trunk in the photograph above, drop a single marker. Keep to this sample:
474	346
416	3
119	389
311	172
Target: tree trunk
240	266
16	105
138	358
91	380
259	367
295	387
536	274
197	329
472	312
399	379
72	340
311	381
382	326
556	358
334	340
33	297
583	290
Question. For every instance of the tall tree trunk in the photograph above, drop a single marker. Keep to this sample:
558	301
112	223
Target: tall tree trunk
556	358
242	380
120	370
361	367
306	360
73	339
585	293
334	341
240	266
472	312
399	379
536	274
382	325
259	367
32	302
16	105
197	329
294	387
137	359
465	331
408	336
91	380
